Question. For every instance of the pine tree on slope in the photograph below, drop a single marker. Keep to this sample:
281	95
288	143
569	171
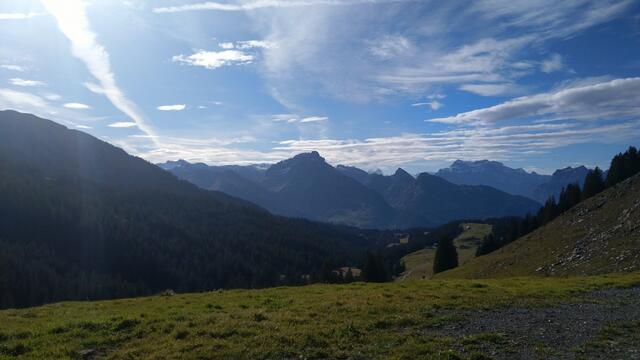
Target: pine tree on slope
446	256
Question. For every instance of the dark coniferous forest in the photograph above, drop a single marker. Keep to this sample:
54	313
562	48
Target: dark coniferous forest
81	219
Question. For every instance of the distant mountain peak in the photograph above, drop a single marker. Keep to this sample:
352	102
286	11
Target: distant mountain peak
570	169
170	164
477	163
313	155
400	172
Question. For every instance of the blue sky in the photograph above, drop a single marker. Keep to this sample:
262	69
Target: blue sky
374	83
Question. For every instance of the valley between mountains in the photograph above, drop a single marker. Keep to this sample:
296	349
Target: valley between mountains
104	255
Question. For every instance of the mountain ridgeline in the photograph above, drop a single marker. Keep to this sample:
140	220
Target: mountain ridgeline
513	181
81	219
307	186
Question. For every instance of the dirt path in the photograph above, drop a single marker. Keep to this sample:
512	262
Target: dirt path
605	325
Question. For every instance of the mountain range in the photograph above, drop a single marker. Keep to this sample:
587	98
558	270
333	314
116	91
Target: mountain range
513	181
307	186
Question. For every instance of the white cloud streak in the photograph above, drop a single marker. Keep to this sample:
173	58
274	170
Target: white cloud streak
507	143
252	44
77	106
497	143
74	24
312	119
25	83
263	4
178	107
433	104
291	118
21	100
215	59
615	99
123	125
488	89
12	67
18	16
52	96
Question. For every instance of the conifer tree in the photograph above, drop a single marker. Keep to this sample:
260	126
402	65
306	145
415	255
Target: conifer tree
373	269
593	183
489	245
623	166
446	256
570	196
548	212
616	171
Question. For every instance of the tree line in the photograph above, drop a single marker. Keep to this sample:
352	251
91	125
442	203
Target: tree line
623	166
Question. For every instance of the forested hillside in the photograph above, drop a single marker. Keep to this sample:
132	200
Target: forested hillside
81	219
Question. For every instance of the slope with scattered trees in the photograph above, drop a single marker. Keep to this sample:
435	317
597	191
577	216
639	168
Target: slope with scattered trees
598	235
624	165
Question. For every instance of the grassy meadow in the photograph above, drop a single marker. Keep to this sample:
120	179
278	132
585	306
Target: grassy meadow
419	264
355	321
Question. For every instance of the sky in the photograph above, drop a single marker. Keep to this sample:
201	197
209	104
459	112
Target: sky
378	84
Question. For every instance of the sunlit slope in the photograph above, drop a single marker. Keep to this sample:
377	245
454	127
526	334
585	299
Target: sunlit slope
419	264
600	235
355	321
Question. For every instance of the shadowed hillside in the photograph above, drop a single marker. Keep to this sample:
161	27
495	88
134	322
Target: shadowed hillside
82	219
598	236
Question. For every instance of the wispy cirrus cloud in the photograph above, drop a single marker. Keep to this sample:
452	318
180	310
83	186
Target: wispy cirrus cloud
73	22
264	4
52	96
489	89
21	100
247	44
26	83
13	67
614	99
292	118
424	151
433	104
312	119
19	16
497	143
123	124
486	47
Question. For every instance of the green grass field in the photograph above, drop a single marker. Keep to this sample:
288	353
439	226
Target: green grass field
355	321
419	264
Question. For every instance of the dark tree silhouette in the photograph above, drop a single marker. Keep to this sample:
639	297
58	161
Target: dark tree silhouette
593	183
623	166
373	269
489	244
446	256
569	197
